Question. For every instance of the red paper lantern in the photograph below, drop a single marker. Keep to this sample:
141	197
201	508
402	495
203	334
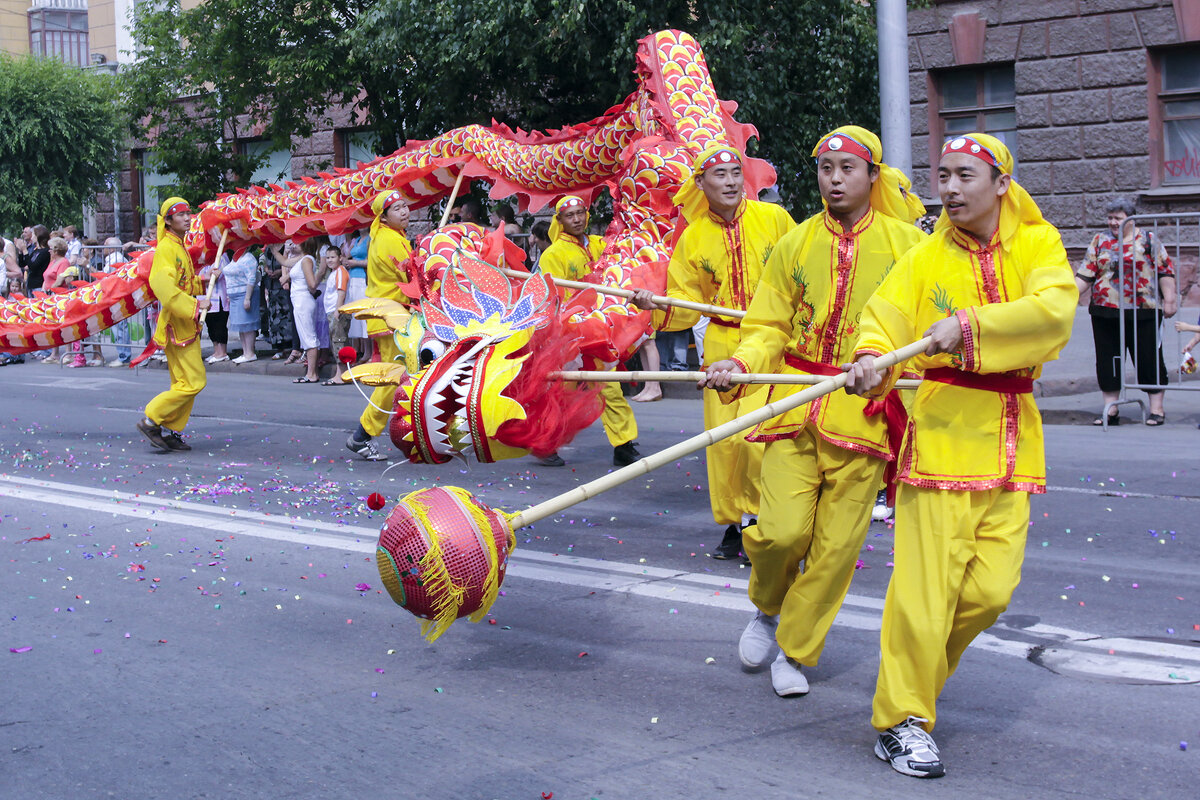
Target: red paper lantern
442	555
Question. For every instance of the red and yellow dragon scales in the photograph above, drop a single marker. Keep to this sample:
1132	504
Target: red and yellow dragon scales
640	151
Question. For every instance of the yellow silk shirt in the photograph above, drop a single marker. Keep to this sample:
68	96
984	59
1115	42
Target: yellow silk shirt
1015	302
173	281
567	258
388	246
720	263
807	307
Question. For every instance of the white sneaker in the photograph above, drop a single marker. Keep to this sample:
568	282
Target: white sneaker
881	511
242	359
910	750
758	641
786	677
366	449
116	362
216	359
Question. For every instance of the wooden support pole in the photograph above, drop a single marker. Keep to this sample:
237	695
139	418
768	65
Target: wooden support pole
688	446
705	308
216	273
636	376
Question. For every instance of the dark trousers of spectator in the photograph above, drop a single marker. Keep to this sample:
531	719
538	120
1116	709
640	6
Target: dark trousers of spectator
1141	342
277	325
672	349
218	327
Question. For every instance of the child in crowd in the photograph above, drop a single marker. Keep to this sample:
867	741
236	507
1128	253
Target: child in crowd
63	280
336	286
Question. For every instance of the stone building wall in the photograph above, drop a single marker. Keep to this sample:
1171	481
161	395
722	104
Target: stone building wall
1081	70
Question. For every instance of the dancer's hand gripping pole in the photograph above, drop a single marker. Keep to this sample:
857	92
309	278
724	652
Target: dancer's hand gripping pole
216	273
652	462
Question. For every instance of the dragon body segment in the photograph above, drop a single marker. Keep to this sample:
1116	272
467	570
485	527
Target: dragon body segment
489	391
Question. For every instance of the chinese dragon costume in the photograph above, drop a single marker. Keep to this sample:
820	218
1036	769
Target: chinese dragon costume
479	346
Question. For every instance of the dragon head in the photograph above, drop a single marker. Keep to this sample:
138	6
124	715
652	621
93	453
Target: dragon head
479	356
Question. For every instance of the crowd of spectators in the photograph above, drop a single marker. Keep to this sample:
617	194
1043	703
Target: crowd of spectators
276	303
255	298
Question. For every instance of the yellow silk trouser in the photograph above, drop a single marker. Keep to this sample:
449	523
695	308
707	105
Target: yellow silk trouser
734	484
172	408
816	506
373	420
619	424
958	560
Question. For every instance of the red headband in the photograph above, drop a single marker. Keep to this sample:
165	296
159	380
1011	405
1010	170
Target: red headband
721	157
390	200
178	208
967	145
841	143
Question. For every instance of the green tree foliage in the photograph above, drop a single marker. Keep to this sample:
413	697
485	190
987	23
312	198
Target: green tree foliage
229	70
797	69
421	68
60	134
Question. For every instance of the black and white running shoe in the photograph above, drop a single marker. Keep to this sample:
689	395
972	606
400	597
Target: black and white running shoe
366	450
910	750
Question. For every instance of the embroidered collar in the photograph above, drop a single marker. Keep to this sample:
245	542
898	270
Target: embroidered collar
737	216
972	245
838	229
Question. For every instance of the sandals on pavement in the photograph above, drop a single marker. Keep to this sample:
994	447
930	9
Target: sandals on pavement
1113	419
332	382
1155	420
305	379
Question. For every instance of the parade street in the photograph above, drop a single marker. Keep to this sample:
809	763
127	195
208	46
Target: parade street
212	624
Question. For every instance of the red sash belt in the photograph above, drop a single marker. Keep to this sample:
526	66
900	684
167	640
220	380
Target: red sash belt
725	323
895	416
811	367
1006	384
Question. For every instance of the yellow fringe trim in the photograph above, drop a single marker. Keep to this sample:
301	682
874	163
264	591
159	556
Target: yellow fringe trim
446	596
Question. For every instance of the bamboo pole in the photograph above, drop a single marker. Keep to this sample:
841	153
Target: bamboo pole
702	440
603	376
453	196
719	311
216	273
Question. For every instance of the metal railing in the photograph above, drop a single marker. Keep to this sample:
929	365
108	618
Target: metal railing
1179	233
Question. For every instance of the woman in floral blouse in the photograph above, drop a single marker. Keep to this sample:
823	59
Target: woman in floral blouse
1145	288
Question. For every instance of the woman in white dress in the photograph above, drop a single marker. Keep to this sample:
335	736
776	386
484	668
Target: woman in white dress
300	277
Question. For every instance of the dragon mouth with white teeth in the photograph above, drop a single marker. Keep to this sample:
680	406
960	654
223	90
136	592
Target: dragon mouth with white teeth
438	410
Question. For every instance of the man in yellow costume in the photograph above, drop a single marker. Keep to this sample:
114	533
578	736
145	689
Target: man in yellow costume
175	284
389	250
719	259
993	289
572	255
823	462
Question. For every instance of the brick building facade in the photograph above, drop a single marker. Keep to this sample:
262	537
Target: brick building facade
1097	98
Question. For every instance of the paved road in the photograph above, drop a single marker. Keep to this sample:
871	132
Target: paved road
194	628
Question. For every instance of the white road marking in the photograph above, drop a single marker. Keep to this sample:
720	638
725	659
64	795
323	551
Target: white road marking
74	382
1133	658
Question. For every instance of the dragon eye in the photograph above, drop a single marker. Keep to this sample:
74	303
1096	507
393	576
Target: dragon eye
431	351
